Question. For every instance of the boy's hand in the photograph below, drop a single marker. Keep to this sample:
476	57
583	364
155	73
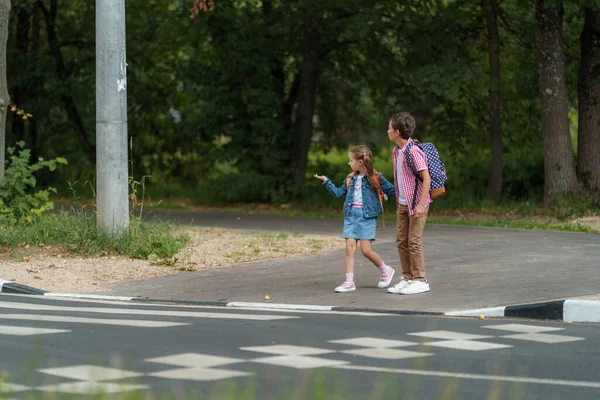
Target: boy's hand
419	211
320	177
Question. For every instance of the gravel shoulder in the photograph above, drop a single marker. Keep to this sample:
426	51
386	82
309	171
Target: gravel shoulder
51	269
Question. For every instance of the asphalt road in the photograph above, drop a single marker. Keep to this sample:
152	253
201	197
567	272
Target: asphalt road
72	348
467	268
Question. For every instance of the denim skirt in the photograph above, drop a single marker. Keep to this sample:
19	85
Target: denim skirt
356	226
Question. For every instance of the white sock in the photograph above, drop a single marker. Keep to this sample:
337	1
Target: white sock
349	277
384	267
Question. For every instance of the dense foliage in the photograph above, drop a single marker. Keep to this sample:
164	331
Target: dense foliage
214	101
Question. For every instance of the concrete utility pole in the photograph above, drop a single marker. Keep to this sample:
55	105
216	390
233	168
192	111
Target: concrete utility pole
112	193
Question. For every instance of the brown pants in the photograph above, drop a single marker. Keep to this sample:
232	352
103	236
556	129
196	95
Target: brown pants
409	232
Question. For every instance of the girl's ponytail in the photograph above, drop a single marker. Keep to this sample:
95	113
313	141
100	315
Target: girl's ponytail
371	174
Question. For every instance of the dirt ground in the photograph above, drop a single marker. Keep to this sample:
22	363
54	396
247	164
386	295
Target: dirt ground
590	222
48	268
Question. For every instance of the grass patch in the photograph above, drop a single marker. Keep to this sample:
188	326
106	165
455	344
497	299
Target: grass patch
512	224
77	234
454	209
500	216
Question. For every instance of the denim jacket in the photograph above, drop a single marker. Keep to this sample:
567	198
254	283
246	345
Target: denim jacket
371	205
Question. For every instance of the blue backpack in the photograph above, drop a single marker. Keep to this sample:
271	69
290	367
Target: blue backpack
437	170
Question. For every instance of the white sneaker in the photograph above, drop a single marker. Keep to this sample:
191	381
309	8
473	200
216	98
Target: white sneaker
399	286
415	287
346	287
385	279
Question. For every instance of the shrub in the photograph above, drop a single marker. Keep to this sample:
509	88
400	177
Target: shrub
18	199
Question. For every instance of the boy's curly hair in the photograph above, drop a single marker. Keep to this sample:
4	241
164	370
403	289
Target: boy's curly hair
405	123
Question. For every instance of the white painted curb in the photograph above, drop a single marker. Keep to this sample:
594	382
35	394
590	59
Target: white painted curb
486	312
280	306
581	311
569	311
88	296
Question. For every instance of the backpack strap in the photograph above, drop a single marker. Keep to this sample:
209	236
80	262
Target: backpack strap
380	194
412	167
349	178
409	160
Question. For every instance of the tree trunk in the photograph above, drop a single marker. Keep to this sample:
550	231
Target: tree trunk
63	75
303	125
4	99
490	8
282	141
37	84
22	46
588	153
559	167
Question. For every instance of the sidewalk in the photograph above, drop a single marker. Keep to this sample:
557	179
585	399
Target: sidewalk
468	269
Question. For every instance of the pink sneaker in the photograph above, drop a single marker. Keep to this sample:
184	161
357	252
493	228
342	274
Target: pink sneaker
386	278
346	287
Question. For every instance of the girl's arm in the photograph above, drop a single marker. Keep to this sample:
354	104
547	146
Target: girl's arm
336	192
387	187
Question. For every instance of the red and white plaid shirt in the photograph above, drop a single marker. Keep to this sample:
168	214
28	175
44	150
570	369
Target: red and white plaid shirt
408	178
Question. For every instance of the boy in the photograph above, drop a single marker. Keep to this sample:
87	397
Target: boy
412	207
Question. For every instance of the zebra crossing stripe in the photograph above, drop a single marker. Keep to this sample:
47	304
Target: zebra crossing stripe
129	312
79	320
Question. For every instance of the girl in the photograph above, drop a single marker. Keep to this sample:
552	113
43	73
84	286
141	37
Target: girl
363	188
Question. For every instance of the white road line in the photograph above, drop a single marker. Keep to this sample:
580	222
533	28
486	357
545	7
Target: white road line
303	311
386	354
374	343
449	335
522	328
299	362
195	360
471	345
130	311
199	374
288	350
543	337
13	388
27	331
112	301
86	388
90	373
97	321
443	374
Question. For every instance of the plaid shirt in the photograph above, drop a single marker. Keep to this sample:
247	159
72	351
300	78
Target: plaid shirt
408	178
